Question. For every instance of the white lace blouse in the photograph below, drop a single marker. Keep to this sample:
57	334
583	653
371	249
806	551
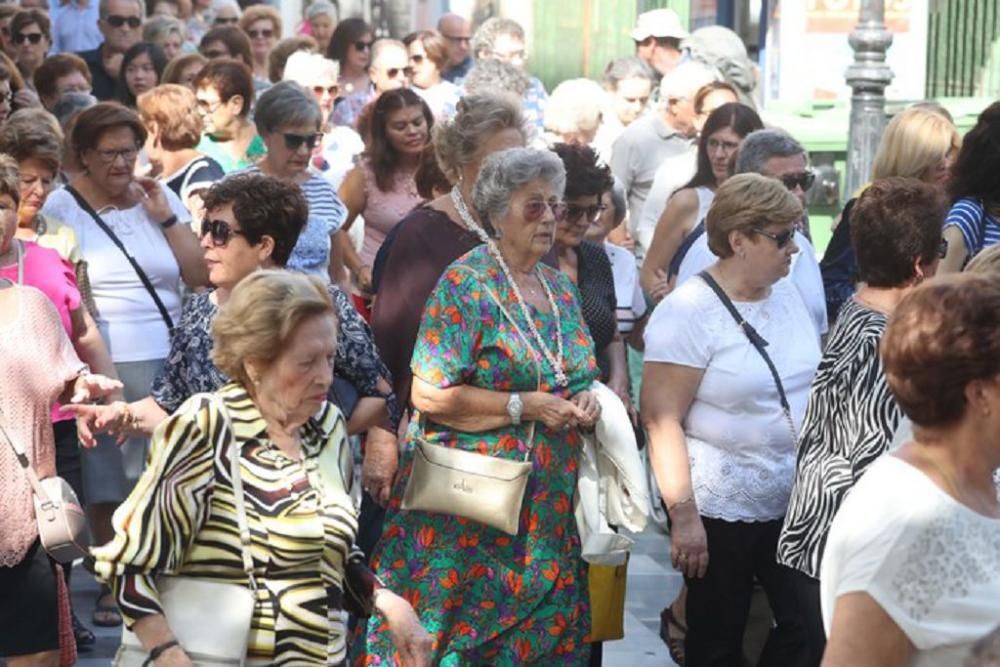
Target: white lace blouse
740	445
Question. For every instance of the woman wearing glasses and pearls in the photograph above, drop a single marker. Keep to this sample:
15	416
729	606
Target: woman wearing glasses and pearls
502	366
722	404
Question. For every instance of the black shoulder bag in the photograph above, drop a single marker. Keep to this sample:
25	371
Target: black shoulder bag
759	344
164	313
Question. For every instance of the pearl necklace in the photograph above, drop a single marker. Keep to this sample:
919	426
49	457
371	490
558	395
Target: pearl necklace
556	362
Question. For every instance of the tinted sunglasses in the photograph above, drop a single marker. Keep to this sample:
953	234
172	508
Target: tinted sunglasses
267	33
294	141
575	212
219	231
803	180
34	37
394	72
780	240
116	21
223	21
534	211
363	46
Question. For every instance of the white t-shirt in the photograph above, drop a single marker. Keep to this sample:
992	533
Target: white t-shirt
631	304
805	274
671	176
740	445
931	563
135	328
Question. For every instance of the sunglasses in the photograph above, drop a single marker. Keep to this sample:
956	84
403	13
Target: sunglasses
534	211
214	54
574	213
267	33
780	240
222	21
33	37
416	59
363	46
803	180
943	248
116	21
394	72
333	90
294	141
219	231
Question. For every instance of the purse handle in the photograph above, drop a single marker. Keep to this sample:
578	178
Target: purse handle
22	459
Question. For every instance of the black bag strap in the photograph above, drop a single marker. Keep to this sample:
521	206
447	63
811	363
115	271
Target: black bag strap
164	313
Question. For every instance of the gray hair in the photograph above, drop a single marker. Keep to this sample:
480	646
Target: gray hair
627	67
285	104
506	172
70	104
495	76
221	4
157	28
684	80
478	116
760	146
618	201
321	8
307	68
103	9
575	105
485	37
384	44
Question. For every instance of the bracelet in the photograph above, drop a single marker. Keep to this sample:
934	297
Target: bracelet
169	222
157	651
682	501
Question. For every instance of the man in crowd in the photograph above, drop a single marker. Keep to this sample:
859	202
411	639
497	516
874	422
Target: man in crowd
30	36
657	35
503	39
458	35
120	21
75	25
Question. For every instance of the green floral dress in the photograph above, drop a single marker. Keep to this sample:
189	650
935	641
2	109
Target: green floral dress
489	598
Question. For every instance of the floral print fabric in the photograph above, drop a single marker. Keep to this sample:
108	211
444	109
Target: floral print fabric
488	597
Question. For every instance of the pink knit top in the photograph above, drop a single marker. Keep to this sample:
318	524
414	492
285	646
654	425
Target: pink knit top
384	210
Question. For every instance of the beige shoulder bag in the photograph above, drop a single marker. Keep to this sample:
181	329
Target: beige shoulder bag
487	489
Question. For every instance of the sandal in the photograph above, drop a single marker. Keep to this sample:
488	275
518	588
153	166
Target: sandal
675	644
83	635
106	614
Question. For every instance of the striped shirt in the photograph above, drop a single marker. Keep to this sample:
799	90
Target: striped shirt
979	228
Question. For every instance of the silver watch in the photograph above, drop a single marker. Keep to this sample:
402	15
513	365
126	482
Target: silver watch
515	408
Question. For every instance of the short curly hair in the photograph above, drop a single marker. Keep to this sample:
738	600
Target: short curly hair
33	134
586	176
942	336
264	206
895	222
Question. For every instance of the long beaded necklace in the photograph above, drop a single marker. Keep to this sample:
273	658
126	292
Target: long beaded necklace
556	362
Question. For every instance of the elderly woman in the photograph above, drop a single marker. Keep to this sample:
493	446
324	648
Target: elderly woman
321	18
58	74
512	381
167	32
288	120
184	69
276	337
723	408
429	58
851	415
262	24
574	115
910	573
224	93
142	67
170	114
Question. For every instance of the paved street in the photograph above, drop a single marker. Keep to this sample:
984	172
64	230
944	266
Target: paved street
650	583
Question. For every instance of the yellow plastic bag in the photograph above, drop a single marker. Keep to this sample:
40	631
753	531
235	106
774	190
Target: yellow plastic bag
607	601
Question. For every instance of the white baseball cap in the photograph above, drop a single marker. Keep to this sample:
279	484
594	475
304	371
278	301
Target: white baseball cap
658	23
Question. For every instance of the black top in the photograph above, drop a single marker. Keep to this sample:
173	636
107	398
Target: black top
598	303
103	86
198	174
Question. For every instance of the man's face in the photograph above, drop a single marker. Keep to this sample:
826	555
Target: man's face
122	27
391	70
30	47
510	49
682	116
792	170
666	55
457	34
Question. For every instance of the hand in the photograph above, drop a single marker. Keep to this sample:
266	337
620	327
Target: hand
364	278
688	542
90	387
663	286
149	192
378	471
590	407
555	413
94	419
408	636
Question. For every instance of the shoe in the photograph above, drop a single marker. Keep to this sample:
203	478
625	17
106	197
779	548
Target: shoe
84	637
106	614
675	645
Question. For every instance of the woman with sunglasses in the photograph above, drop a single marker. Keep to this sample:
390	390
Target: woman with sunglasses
382	187
723	409
351	47
429	58
262	24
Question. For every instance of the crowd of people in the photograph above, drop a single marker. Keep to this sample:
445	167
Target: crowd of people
338	326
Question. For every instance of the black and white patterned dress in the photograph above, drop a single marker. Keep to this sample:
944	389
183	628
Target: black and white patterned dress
849	422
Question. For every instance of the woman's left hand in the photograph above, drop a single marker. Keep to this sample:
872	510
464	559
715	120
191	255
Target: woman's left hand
153	199
90	387
587	402
408	636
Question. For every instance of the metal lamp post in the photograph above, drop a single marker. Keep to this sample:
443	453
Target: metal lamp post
868	78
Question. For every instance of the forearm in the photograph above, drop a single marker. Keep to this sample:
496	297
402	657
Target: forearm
464	408
669	457
143	416
187	251
618	371
336	267
369	412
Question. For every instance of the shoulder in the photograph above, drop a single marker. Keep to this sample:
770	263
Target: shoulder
966	209
684	200
206	167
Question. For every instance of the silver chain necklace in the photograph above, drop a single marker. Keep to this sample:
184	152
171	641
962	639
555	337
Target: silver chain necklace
556	362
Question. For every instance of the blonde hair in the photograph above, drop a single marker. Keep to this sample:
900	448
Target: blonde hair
174	109
260	316
915	140
478	116
986	262
255	13
575	106
744	202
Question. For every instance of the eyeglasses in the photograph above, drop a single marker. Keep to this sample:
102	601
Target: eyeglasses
416	59
333	90
804	180
394	72
457	38
116	21
534	211
267	33
363	46
780	240
109	155
943	248
295	141
714	145
33	37
214	54
222	21
208	107
219	231
574	213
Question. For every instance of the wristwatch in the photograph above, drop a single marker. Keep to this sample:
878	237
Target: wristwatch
169	222
515	408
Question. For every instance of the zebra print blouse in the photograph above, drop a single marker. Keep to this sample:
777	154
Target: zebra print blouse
849	422
180	519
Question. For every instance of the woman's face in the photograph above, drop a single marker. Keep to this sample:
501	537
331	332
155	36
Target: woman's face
262	37
721	146
406	130
229	257
360	58
140	75
325	90
322	29
770	262
189	73
111	163
36	184
298	380
8	222
172	45
214	50
216	115
289	149
581	213
630	98
710	103
940	174
605	222
425	72
529	226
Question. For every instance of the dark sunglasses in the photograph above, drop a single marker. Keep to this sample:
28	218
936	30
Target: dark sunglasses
534	211
575	212
219	231
34	37
267	33
393	72
294	141
363	46
222	21
780	240
943	248
803	180
416	59
213	54
116	21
